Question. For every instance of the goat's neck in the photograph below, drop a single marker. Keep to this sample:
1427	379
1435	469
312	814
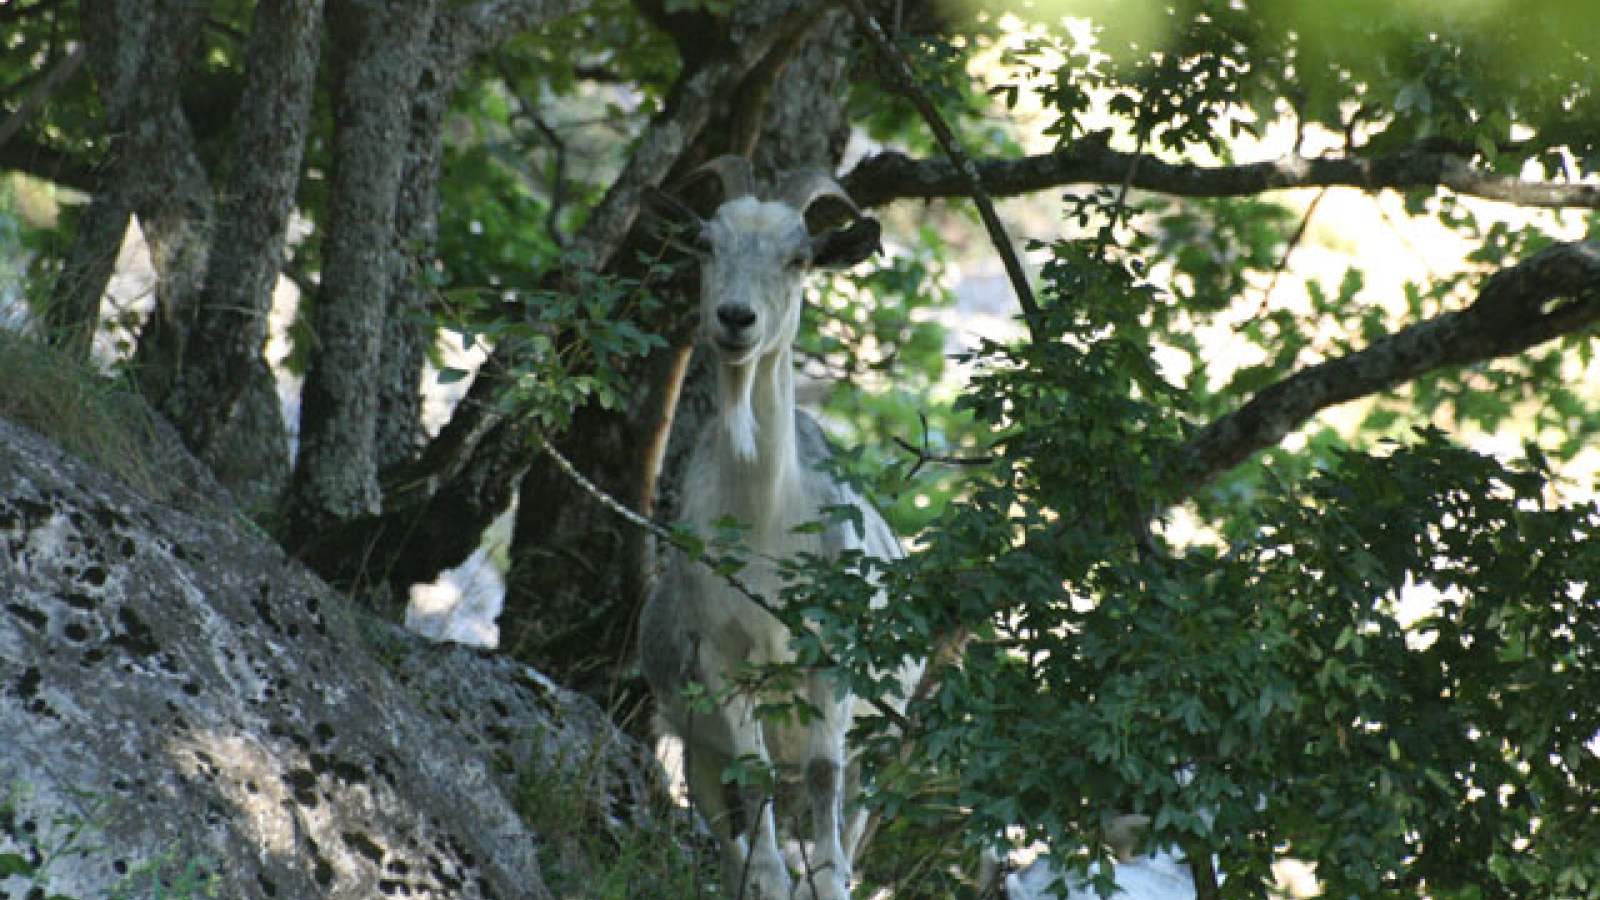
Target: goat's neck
756	438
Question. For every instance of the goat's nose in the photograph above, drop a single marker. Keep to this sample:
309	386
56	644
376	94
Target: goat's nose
736	316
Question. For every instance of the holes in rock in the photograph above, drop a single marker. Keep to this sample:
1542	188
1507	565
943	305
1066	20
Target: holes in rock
348	772
303	784
135	637
28	685
364	845
29	615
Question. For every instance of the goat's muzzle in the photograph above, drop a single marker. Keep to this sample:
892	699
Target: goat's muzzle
734	331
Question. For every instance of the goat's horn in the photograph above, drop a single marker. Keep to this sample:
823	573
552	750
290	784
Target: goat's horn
820	198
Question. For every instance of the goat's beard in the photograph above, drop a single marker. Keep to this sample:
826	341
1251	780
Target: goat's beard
738	412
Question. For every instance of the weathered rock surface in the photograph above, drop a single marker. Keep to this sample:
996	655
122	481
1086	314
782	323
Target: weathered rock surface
179	700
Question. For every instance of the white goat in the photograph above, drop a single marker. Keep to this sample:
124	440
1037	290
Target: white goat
758	462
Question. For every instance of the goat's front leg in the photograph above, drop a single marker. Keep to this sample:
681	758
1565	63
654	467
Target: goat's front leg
829	871
754	866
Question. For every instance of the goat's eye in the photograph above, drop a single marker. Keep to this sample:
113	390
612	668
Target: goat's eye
798	262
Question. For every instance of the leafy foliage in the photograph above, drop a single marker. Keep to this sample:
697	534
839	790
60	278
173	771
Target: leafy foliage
1373	649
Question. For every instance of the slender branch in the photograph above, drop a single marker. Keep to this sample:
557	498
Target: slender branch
1288	251
558	150
891	176
1400	235
966	173
925	456
732	578
1550	294
47	86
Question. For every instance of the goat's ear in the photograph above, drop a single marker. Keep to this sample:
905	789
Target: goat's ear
844	247
668	220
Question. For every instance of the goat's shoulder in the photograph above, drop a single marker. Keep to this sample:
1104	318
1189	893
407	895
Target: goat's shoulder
816	452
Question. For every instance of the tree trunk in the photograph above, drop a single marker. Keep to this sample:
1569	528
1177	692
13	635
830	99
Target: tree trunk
380	49
139	52
438	502
158	169
225	401
72	313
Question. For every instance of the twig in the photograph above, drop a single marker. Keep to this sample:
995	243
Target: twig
1120	209
744	876
1288	250
688	764
805	866
558	147
924	457
947	140
1394	226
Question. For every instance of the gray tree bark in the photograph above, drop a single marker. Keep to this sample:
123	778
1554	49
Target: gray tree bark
159	171
376	68
225	401
360	413
137	53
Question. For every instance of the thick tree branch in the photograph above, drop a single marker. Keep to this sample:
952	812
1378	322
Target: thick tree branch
140	52
1553	293
224	363
893	176
467	31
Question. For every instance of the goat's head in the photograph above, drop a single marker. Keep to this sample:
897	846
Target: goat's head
755	253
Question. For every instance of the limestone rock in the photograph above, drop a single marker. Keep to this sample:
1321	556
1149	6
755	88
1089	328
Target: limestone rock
181	701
